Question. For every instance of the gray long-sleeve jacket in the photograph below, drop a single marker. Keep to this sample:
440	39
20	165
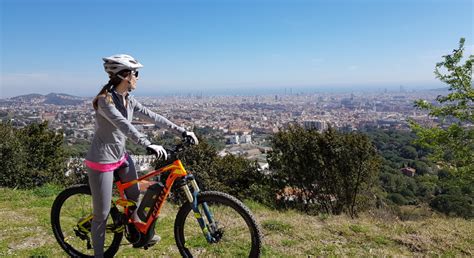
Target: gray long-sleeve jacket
113	127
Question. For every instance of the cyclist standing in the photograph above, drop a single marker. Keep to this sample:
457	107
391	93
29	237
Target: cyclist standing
114	112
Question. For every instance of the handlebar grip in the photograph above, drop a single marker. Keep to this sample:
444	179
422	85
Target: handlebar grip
149	152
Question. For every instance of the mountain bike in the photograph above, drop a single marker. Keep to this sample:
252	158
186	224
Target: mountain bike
209	223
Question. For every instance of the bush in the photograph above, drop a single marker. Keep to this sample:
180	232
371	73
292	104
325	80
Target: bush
12	156
454	205
397	198
31	156
455	195
331	172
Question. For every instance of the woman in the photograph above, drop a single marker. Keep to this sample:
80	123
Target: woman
114	112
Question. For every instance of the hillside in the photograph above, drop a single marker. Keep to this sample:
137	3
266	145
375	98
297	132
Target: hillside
59	99
27	232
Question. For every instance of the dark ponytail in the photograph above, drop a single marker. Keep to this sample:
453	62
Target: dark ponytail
113	82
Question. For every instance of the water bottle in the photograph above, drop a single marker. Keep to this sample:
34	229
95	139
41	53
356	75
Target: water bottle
151	194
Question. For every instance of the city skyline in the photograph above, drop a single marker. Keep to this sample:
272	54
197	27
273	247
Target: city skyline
236	47
285	91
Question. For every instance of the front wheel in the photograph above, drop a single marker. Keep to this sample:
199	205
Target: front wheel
232	227
71	218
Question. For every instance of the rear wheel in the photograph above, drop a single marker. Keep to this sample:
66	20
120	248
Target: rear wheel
71	218
232	227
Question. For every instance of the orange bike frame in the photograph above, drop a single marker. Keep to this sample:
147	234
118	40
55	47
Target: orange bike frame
177	171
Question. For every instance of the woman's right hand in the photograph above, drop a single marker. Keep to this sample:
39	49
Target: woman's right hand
157	150
191	138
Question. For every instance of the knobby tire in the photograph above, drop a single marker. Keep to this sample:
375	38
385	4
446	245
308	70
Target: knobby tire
217	202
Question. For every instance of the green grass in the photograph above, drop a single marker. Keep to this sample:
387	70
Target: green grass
27	232
276	225
358	228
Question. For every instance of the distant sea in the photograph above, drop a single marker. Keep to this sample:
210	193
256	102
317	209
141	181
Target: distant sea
267	90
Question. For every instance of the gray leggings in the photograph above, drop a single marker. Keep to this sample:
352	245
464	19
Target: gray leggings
101	188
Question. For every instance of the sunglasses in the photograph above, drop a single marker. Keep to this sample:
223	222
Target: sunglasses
134	73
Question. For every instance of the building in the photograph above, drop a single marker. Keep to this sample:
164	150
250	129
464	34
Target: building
234	139
315	125
408	171
246	138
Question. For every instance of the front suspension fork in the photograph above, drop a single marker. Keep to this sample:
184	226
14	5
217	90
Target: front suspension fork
192	198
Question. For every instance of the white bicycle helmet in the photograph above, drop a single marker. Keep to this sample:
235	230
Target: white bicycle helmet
116	63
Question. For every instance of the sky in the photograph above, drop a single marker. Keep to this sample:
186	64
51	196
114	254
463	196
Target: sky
229	46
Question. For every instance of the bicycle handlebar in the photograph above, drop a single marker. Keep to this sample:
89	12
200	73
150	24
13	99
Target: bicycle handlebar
177	149
173	152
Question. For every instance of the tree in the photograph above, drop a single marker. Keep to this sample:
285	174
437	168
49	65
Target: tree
12	156
236	176
452	140
409	152
33	155
46	155
336	171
